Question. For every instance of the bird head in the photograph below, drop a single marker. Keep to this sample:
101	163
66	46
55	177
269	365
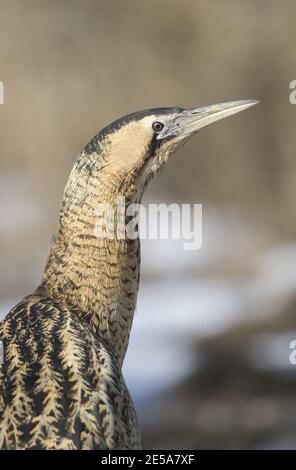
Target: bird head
137	146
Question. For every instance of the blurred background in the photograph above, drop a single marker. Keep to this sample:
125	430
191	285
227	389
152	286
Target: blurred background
208	363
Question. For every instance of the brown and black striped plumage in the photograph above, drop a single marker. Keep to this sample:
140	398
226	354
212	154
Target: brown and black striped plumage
61	385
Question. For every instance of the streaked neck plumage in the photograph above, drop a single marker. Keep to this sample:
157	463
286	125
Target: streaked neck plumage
98	278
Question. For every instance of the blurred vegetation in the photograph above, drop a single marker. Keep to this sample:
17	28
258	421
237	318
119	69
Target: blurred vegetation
236	399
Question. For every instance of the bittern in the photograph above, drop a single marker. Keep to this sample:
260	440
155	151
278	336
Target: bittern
61	385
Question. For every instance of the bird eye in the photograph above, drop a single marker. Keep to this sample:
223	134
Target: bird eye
157	126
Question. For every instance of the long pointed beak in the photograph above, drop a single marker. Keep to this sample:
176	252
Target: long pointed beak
190	121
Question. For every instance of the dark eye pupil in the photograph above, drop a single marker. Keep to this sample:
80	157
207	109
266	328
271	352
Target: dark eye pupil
157	126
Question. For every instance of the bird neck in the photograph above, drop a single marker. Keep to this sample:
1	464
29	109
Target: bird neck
97	277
